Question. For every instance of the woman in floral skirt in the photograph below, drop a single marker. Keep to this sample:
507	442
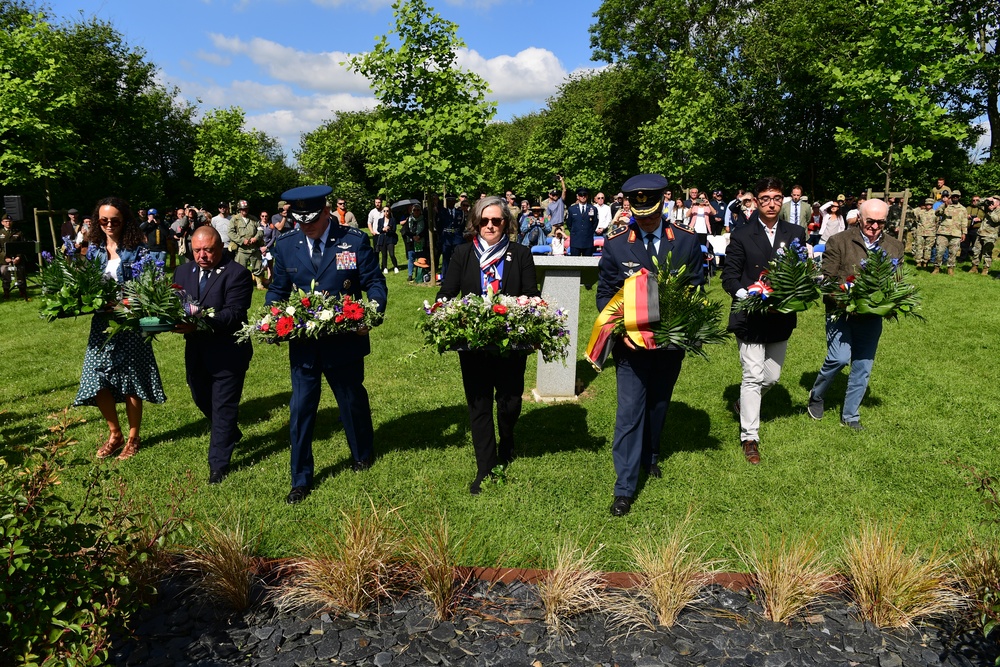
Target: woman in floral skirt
121	369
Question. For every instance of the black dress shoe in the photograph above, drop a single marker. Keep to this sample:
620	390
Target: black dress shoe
654	471
476	487
621	506
361	466
216	476
297	495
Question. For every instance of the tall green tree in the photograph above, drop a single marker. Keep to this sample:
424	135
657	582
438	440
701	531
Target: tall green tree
238	163
38	100
336	154
432	115
893	83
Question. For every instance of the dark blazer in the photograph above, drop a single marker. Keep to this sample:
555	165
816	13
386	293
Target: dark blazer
464	276
349	266
625	253
747	255
229	291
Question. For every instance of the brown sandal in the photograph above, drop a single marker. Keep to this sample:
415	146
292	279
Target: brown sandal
110	447
131	447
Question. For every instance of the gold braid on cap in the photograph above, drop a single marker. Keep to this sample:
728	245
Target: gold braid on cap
639	207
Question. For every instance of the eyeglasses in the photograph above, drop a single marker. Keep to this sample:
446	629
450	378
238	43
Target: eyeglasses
777	199
496	222
601	197
340	203
873	222
110	222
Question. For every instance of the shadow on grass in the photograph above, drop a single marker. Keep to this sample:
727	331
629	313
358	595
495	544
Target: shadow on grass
687	429
775	404
585	374
561	427
835	394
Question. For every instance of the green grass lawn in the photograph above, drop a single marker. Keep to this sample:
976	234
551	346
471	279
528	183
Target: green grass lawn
932	397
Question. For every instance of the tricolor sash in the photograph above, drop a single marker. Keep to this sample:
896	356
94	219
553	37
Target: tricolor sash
638	304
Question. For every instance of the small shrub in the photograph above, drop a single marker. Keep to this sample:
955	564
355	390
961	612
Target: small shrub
349	571
435	560
790	575
670	577
893	589
224	560
67	582
572	587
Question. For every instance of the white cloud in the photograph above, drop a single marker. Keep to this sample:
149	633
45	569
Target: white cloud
374	5
313	71
213	58
532	74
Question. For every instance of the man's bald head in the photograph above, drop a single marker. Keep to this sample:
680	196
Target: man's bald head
873	209
206	246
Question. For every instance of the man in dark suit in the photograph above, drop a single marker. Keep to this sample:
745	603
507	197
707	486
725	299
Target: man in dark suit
582	218
796	210
762	337
645	377
216	364
338	260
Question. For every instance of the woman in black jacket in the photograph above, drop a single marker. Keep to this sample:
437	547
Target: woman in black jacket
491	263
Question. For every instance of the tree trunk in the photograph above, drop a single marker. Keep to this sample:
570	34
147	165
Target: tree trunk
431	220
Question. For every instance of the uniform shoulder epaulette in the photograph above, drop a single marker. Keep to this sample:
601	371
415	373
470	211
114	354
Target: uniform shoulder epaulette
680	228
617	231
356	232
287	235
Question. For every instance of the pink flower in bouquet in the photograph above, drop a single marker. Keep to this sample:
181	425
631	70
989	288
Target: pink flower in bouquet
266	326
500	309
285	326
522	300
275	311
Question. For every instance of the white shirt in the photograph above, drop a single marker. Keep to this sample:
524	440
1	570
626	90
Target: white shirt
221	224
603	217
322	239
770	232
374	216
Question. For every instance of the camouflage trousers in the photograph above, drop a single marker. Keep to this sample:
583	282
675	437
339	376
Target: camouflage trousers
251	260
953	245
922	246
984	247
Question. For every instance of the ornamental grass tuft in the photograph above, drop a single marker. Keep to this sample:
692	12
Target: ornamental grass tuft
979	568
348	571
671	574
892	588
434	557
224	561
573	586
790	575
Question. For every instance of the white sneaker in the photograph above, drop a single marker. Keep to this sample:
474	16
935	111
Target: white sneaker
396	270
385	271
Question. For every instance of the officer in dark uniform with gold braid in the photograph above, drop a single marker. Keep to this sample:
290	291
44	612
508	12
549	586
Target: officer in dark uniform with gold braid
645	377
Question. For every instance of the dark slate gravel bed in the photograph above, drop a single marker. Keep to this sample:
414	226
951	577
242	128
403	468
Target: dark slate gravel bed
501	625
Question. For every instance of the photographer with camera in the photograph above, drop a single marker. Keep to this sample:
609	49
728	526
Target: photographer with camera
989	229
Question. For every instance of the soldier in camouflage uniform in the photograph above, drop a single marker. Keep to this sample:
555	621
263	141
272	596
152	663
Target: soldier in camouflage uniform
952	222
977	213
245	240
989	229
923	235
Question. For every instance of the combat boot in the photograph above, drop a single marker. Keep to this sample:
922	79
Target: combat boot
986	270
23	291
937	269
974	269
951	271
6	292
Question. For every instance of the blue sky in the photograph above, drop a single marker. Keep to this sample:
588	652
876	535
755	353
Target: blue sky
279	59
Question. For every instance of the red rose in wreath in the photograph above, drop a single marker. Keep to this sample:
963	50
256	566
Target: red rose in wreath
500	309
305	302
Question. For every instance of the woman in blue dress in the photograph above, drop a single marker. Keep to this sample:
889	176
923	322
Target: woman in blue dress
121	369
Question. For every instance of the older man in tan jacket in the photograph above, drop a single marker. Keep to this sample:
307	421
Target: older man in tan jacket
852	338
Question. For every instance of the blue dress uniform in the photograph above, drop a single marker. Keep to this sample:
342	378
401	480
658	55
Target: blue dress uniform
645	378
348	266
582	221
